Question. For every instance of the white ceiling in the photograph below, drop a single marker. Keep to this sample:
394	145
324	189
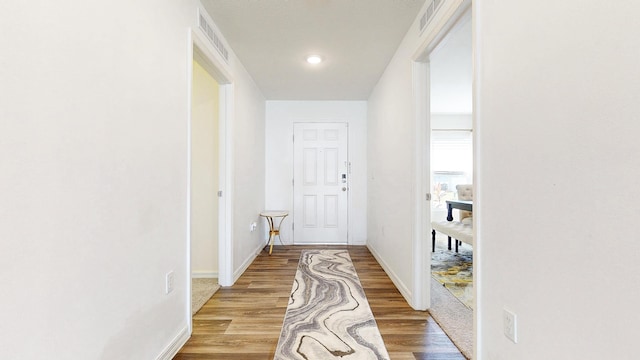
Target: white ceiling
356	38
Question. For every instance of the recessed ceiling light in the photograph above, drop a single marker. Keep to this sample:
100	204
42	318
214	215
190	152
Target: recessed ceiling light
314	59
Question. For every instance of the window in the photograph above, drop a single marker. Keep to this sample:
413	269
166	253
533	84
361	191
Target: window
451	164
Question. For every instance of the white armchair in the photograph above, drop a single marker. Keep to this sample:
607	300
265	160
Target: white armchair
465	192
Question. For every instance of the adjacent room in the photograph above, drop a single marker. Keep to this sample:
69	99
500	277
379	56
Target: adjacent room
451	167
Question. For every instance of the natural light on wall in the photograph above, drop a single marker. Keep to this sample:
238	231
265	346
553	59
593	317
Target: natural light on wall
451	165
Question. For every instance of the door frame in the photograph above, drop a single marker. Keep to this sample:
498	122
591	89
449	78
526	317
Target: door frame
421	187
201	50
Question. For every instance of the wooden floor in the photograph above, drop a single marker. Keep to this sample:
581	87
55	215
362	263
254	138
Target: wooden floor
243	322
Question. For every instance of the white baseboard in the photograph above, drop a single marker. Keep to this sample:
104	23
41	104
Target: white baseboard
204	274
245	264
175	345
404	290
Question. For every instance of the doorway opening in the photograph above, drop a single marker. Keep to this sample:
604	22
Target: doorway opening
451	167
443	103
209	210
205	131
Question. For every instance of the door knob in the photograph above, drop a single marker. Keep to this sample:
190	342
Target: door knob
344	188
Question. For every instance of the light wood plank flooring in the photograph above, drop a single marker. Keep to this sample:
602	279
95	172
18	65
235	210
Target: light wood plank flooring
243	321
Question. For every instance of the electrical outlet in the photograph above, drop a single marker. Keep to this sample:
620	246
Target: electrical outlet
510	325
169	282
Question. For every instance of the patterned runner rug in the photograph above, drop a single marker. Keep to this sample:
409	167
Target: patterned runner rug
328	316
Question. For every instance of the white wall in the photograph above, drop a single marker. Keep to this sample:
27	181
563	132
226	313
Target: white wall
281	115
451	121
205	132
558	118
93	130
392	189
451	71
249	169
390	157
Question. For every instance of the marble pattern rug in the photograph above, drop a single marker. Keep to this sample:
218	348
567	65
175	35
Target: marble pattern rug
328	316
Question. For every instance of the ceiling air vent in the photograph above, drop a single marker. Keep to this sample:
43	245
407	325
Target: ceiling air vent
213	37
428	15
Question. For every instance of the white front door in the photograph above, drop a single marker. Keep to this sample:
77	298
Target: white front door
320	183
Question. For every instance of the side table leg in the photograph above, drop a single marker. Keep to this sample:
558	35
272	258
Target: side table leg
271	240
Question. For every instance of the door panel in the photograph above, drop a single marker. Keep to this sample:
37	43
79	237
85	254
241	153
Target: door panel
331	211
320	183
310	165
310	211
331	167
